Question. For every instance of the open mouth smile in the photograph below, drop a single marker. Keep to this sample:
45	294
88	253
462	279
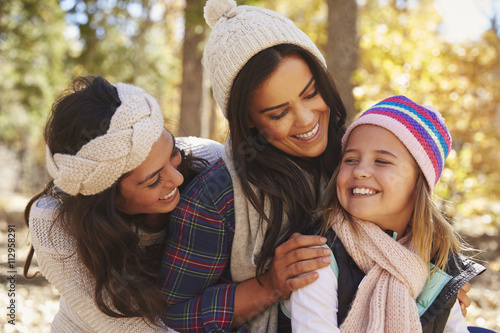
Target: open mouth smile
308	135
362	191
169	195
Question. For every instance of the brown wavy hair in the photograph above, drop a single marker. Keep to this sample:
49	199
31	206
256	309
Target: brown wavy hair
276	175
125	276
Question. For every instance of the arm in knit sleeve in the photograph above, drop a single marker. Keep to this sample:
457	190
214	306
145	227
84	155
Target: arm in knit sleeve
58	262
207	149
197	254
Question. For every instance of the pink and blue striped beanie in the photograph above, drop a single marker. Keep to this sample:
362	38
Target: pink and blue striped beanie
421	129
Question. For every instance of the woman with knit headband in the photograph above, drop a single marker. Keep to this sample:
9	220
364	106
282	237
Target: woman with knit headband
98	227
226	258
395	263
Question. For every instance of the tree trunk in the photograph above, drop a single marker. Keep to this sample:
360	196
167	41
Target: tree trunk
342	48
192	71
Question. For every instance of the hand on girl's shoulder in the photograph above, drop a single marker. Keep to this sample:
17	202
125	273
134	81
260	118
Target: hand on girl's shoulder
200	147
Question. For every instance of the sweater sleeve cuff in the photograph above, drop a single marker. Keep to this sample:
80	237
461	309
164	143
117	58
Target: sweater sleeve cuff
217	307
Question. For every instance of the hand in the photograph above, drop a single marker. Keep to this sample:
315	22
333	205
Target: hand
294	264
464	300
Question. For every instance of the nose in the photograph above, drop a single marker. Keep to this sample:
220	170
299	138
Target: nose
304	116
174	177
361	171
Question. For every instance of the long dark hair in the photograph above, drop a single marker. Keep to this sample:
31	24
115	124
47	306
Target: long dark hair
106	239
273	173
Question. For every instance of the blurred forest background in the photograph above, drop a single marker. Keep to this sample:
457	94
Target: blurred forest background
374	49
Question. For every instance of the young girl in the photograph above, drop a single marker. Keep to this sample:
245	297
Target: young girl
395	264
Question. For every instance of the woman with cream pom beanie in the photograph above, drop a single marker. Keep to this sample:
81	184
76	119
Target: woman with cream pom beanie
232	253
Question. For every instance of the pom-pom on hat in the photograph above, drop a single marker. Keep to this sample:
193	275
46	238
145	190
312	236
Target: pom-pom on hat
240	32
421	129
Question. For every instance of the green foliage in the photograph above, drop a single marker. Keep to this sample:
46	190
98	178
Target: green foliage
309	15
28	64
403	53
32	51
45	44
131	41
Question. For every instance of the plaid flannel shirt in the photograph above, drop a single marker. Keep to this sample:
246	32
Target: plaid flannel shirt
196	278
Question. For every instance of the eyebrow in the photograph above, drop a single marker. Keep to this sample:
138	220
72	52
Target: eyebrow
386	152
381	151
307	86
285	104
150	176
153	174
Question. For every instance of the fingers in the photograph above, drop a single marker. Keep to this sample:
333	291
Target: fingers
304	260
463	309
298	241
295	262
298	268
301	254
302	281
463	298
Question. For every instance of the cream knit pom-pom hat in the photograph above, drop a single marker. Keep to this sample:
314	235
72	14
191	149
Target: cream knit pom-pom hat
240	32
135	126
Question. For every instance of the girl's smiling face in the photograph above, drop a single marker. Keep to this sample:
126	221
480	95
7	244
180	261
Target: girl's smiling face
289	111
152	186
377	178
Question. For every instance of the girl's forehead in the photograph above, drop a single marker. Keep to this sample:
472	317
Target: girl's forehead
373	137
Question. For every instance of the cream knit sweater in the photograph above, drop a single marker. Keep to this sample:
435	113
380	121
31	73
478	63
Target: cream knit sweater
65	271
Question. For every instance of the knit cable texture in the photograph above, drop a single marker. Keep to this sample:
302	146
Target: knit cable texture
239	33
395	276
420	128
134	128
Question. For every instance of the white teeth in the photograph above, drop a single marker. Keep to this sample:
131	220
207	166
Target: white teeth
169	195
362	191
309	134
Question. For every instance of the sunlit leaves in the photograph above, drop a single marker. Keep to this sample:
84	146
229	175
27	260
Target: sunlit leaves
403	53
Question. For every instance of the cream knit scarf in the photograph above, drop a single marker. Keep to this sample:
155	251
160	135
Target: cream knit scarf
247	243
395	276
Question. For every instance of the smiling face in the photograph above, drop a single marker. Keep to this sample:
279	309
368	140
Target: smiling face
377	178
289	111
152	186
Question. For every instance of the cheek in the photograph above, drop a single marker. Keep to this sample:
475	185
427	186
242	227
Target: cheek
275	130
343	176
405	179
142	199
150	196
340	187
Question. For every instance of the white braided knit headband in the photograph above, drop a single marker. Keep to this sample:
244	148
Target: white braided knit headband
136	125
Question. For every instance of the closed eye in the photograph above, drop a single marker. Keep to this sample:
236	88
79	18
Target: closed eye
314	93
175	152
157	182
281	115
350	160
